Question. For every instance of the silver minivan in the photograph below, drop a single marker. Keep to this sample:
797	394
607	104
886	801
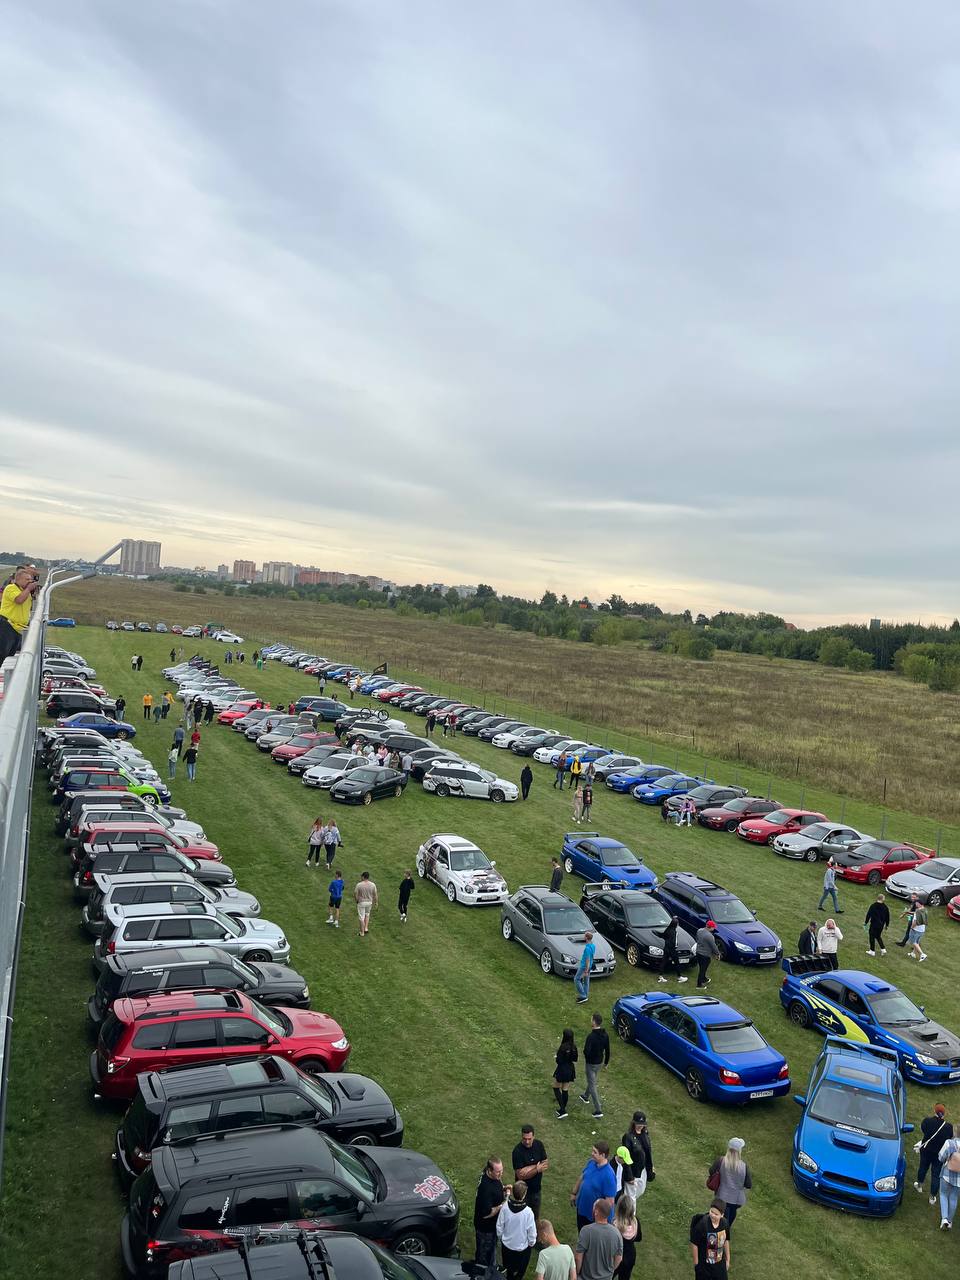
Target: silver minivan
164	925
139	888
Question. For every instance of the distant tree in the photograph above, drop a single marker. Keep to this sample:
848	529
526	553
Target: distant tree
955	625
199	591
548	600
229	589
701	620
484	592
858	660
608	632
917	667
295	595
945	677
833	651
180	586
686	616
617	604
452	598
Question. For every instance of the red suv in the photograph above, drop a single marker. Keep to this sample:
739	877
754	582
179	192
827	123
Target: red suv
134	835
188	1028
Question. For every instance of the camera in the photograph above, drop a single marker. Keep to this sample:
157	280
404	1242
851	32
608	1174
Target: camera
36	577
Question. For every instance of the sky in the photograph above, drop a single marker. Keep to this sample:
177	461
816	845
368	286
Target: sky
629	296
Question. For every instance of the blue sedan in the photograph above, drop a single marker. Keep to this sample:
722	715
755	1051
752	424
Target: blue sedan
62	622
627	779
103	724
715	1050
848	1148
673	784
597	857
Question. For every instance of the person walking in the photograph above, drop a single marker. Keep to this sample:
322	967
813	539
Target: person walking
431	723
918	929
315	842
335	900
526	781
331	842
671	955
366	897
322	683
710	1243
807	942
403	900
190	760
626	1221
516	1231
706	949
556	875
121	706
596	1056
830	888
173	755
167	703
577	803
208	713
487	1205
565	1071
581	979
530	1162
829	938
445	721
139	661
949	1158
576	771
555	1260
561	770
587	801
173	656
147	705
157	711
935	1130
178	736
637	1141
599	1249
133	662
906	915
876	920
735	1179
195	736
597	1182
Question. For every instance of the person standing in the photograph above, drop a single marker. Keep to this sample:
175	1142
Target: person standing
322	683
577	803
556	875
671	955
829	938
587	801
190	760
807	942
599	1249
597	1182
331	842
195	736
710	1243
935	1130
735	1180
906	915
16	603
637	1141
581	979
626	1221
565	1071
596	1056
487	1206
431	723
121	707
173	755
556	1260
830	888
167	703
366	897
530	1162
876	920
949	1158
133	662
315	842
178	736
526	781
561	770
576	770
208	713
706	950
406	764
139	661
173	656
157	711
403	900
516	1231
918	927
335	900
147	705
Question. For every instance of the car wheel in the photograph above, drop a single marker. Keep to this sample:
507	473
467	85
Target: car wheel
633	954
411	1243
398	791
363	1140
624	1028
312	1066
935	899
451	893
421	868
442	789
874	877
811	855
798	1014
122	735
506	928
368	798
731	826
770	840
496	796
721	948
568	866
151	799
546	961
258	957
695	1085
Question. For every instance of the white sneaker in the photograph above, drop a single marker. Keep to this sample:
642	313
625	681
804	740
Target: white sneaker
681	979
336	924
932	1200
923	956
329	919
883	951
871	953
910	955
945	1225
917	1187
661	979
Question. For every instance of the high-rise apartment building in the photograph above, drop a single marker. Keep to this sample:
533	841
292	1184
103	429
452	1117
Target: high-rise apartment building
139	558
279	571
244	570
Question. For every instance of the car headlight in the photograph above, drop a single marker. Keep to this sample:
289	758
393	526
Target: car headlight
305	994
925	1060
886	1184
742	946
568	959
655	951
804	1161
281	941
448	1209
342	1043
468	888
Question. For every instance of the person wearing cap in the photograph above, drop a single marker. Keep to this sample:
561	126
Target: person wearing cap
735	1180
529	1162
706	950
622	1164
710	1243
637	1142
936	1130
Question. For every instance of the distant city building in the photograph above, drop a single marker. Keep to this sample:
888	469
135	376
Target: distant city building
223	571
244	570
279	571
465	592
875	624
139	558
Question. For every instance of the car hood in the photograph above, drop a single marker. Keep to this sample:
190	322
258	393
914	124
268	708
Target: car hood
640	876
311	1024
411	1178
753	933
487	881
915	883
794	840
358	1096
278	976
437	1268
216	874
849	1151
236	901
648	938
575	942
929	1038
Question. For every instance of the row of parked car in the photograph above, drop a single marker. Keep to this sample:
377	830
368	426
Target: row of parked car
240	1122
226	637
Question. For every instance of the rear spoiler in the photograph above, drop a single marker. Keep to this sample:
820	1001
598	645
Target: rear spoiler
843	1045
803	966
603	886
580	835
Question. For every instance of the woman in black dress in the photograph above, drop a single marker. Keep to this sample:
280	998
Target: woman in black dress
565	1072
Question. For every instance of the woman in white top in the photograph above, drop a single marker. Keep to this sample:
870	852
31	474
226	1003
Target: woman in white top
828	939
516	1231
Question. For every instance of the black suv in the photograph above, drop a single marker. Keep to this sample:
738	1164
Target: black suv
144	973
632	920
707	796
67	702
146	856
252	1183
316	1255
182	1103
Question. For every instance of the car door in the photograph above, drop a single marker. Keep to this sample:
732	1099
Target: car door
685	1044
172	931
259	1208
209	930
902	859
839	838
614	927
656	1030
242	1037
322	1202
441	866
473	784
586	860
531	924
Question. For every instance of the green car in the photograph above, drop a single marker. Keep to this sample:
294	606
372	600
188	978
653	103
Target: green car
109	778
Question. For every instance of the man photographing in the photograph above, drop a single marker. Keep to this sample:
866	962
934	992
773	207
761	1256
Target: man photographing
15	605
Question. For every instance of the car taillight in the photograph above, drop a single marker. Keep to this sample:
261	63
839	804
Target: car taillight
141	1154
111	947
784	1071
114	1065
728	1077
784	982
87	877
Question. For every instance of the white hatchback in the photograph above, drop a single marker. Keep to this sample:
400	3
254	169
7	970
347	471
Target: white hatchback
462	870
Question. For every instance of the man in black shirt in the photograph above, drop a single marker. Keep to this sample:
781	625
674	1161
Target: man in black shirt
710	1243
529	1162
491	1194
637	1142
876	920
596	1054
807	944
556	876
936	1130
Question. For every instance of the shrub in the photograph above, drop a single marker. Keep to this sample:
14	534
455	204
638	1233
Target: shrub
917	667
858	660
833	651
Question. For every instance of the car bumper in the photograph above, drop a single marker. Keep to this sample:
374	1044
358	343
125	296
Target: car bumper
742	1095
929	1075
568	970
754	958
105	1086
758	838
899	891
869	1204
347	799
92	928
94	1014
798	854
648	799
483	899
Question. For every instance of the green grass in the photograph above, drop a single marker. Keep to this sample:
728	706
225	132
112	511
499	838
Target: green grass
459	1026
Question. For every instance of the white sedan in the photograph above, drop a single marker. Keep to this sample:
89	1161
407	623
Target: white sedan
461	778
462	870
548	755
227	637
507	740
332	770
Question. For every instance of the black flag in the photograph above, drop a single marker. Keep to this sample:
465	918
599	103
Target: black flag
379	671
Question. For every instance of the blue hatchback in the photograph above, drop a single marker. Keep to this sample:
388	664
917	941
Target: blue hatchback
674	784
716	1051
597	857
848	1148
103	724
627	779
740	936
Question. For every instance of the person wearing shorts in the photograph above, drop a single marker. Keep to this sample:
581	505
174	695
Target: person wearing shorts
336	898
366	897
918	927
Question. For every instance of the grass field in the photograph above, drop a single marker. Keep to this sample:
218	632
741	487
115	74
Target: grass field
459	1026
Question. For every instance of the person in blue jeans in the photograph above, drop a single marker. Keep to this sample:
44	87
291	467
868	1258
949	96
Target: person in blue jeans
949	1157
830	888
936	1130
581	978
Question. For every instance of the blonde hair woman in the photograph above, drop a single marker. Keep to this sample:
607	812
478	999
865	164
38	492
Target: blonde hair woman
625	1220
735	1180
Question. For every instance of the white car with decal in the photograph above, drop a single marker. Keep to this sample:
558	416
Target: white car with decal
462	870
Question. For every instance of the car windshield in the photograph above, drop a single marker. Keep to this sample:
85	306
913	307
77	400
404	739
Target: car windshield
230	924
894	1009
391	1265
353	1171
817	831
646	913
272	1018
935	870
742	1038
469	860
487	776
737	806
778	816
841	1104
565	920
250	974
730	911
364	775
621	856
701	793
320	1094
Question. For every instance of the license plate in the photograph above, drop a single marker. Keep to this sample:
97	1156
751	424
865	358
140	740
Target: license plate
762	1093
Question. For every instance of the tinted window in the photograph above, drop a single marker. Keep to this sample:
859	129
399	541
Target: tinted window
143	862
204	1213
239	1113
123	895
830	987
267	1203
288	1108
186	979
184	893
176	927
238	1031
153	1036
220	977
318	1198
188	1121
138	983
137	930
196	1033
204	928
745	1039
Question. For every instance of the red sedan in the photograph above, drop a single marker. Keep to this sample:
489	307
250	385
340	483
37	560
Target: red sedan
877	859
239	709
728	817
57	683
392	695
301	744
953	908
779	823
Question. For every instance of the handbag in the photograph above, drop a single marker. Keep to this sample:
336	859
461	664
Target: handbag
953	1161
713	1181
640	1184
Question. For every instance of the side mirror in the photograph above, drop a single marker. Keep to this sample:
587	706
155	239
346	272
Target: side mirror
494	863
906	1128
361	1208
800	1099
753	913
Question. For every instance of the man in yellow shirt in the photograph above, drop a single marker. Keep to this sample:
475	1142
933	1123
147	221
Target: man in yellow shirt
147	704
15	605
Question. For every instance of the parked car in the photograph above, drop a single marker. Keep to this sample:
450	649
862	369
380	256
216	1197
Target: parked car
138	888
323	1253
674	784
361	786
144	626
530	745
227	637
337	765
461	778
779	823
301	744
161	627
856	1005
461	869
848	1147
174	925
128	626
818	840
112	625
614	762
729	816
112	778
935	881
716	1051
739	935
704	797
63	703
877	860
62	622
633	922
299	765
627	780
953	908
552	927
597	857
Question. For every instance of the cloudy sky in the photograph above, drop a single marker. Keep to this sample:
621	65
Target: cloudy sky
616	295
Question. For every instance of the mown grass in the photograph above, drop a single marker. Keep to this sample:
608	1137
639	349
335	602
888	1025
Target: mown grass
459	1026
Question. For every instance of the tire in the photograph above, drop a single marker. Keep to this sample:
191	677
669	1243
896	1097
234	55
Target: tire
258	957
624	1028
312	1066
798	1014
421	868
546	961
633	954
721	949
451	892
398	791
411	1243
496	796
935	899
506	928
122	735
151	800
568	866
442	789
811	855
731	826
368	798
363	1140
874	877
695	1085
770	840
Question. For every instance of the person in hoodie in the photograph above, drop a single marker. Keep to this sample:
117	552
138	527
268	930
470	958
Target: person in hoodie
829	938
670	953
876	920
516	1231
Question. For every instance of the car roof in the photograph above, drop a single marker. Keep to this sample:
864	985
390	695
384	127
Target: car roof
453	841
861	981
166	1005
859	1058
707	1010
545	896
641	893
216	1078
708	887
169	958
149	827
117	911
106	879
602	842
255	1151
